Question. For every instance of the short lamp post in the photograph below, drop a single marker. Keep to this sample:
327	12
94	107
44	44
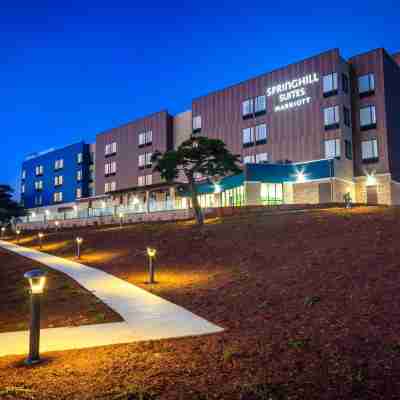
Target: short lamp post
37	281
18	232
3	231
57	224
121	219
40	236
151	253
79	241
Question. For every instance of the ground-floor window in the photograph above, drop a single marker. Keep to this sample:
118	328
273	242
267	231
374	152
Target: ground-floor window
233	197
271	193
208	200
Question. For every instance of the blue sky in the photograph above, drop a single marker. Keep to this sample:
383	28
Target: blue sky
70	71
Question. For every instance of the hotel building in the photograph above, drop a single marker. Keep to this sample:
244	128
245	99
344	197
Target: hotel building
307	133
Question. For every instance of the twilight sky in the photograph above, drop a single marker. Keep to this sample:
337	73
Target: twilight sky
68	71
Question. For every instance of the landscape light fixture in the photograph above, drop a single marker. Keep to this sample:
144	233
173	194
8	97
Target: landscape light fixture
3	231
37	281
18	232
79	241
40	236
151	253
57	224
121	219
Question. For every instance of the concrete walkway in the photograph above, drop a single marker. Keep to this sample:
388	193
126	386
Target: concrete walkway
146	316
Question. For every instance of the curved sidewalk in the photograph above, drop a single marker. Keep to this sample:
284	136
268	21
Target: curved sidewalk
146	316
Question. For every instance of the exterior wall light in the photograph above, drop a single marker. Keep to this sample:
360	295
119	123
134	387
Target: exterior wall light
371	180
37	281
151	253
40	236
217	188
79	241
18	232
300	177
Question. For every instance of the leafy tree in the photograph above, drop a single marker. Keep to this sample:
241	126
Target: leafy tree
197	155
8	207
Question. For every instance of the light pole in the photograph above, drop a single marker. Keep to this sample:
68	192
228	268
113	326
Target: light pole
151	252
18	232
37	280
79	241
3	231
40	236
121	219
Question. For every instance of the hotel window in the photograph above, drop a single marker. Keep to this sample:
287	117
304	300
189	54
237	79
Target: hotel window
331	117
141	160
366	85
148	159
23	188
248	137
247	108
249	159
330	84
346	116
79	175
110	149
141	180
145	138
332	148
345	83
348	147
110	168
23	176
38	200
261	134
58	180
39	170
59	164
57	197
260	105
196	123
261	158
367	118
78	193
110	187
79	158
38	185
369	151
149	179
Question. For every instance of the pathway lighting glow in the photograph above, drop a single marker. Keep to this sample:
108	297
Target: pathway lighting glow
3	231
40	236
57	224
37	282
151	253
79	241
121	219
18	232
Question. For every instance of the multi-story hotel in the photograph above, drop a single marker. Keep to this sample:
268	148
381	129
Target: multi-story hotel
309	132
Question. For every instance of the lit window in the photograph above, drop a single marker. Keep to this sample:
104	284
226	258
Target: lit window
141	160
113	186
248	136
38	185
261	133
39	170
79	158
59	164
141	180
23	188
145	138
367	117
330	84
249	159
366	84
78	193
369	150
247	107
331	117
260	104
23	174
79	175
261	158
197	123
110	168
148	159
57	197
149	179
332	148
58	180
110	148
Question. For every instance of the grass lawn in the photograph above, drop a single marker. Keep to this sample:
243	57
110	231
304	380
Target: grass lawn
310	303
65	303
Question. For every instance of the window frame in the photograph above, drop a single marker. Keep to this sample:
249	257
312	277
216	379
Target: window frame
336	113
250	142
196	123
334	83
250	113
374	146
337	148
373	124
262	140
370	91
257	110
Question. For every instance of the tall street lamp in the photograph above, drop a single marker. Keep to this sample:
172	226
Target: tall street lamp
79	241
151	253
37	281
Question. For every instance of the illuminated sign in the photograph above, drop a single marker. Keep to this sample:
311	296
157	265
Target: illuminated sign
293	93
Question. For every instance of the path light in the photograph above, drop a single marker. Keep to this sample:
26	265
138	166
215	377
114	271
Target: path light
79	241
18	232
40	236
151	252
57	224
3	231
121	219
37	281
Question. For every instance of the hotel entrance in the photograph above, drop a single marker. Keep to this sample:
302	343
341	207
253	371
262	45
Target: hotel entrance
271	194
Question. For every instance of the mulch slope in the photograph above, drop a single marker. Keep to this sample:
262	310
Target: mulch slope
310	303
64	302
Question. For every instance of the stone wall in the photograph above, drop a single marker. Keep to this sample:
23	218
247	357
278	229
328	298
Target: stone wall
306	193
